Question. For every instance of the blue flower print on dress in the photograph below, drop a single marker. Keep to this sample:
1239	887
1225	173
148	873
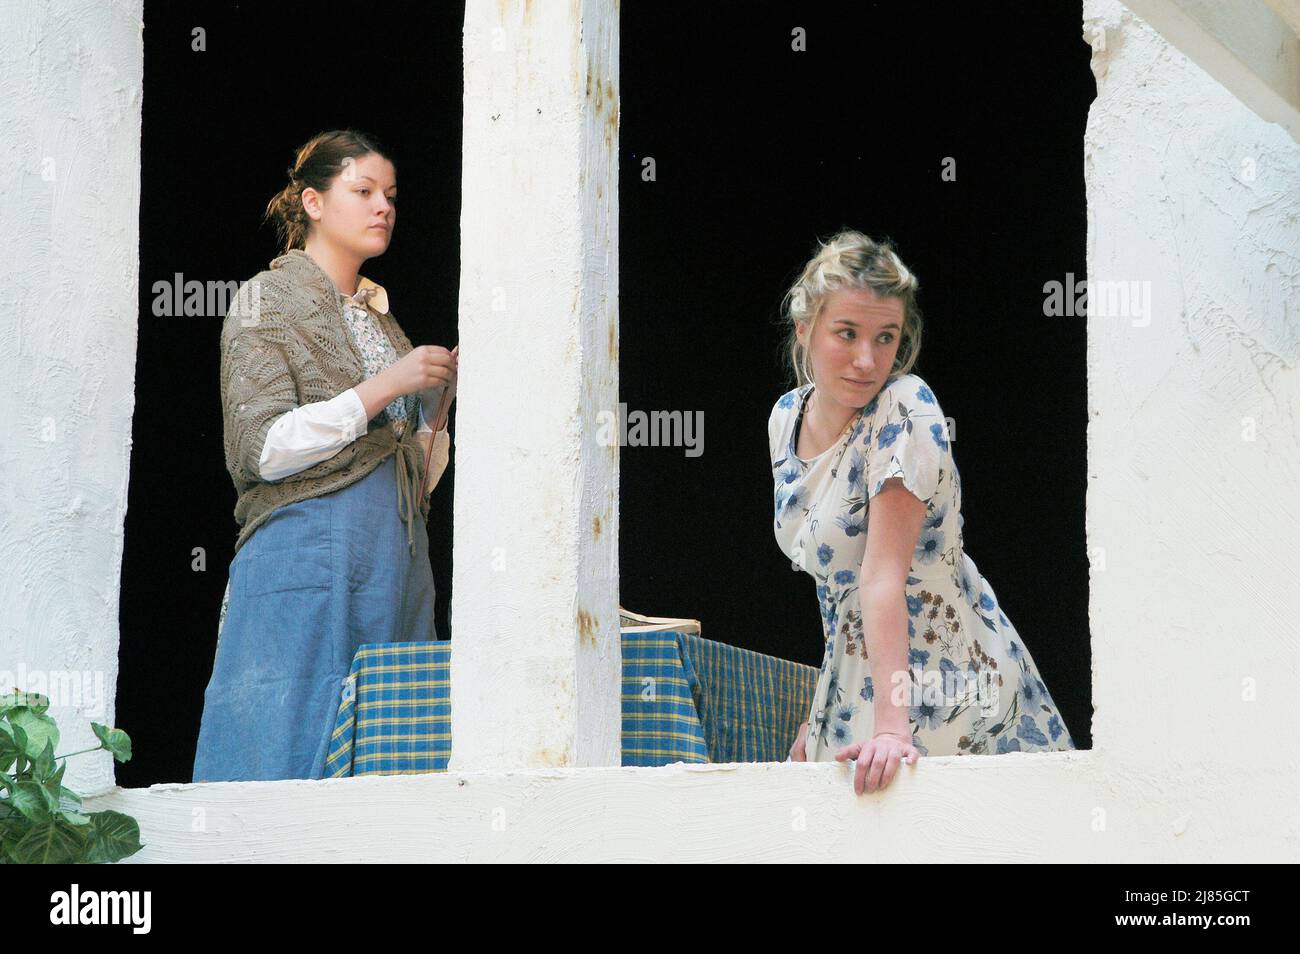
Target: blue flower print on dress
1054	727
967	586
1029	731
822	520
936	431
782	502
1029	691
857	476
929	546
936	518
888	434
851	525
866	691
926	715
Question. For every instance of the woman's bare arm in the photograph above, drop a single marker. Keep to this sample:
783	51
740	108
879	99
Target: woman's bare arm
377	393
893	528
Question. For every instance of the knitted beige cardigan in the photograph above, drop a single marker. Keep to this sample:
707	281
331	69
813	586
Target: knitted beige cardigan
284	344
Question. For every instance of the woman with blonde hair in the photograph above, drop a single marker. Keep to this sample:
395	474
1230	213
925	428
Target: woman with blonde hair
334	430
919	657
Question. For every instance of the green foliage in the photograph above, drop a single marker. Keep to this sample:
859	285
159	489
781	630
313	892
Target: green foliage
40	819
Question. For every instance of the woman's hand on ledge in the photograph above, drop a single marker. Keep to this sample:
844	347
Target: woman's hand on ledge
878	760
798	752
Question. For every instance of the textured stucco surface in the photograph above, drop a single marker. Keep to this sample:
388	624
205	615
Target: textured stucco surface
1191	526
536	676
70	100
1193	441
1248	46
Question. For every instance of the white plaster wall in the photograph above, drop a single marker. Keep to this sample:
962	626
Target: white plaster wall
70	98
1193	593
1196	608
1246	45
536	676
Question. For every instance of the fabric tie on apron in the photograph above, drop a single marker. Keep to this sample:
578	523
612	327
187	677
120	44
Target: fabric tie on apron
410	458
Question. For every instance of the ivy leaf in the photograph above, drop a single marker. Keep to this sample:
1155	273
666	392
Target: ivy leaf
39	729
11	829
8	747
64	793
23	700
53	843
51	790
29	798
115	740
111	836
43	767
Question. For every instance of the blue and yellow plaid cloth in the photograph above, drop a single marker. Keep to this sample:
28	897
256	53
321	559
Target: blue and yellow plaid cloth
685	699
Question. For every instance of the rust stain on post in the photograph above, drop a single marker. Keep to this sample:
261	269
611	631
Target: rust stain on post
587	625
552	759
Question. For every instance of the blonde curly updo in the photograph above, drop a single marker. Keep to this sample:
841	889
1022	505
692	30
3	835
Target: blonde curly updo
850	259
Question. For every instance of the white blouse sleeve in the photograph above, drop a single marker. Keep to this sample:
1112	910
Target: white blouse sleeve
312	433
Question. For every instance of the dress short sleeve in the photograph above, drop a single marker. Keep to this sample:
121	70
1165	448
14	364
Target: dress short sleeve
908	439
776	425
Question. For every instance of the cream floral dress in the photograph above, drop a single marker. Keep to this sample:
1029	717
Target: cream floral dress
973	686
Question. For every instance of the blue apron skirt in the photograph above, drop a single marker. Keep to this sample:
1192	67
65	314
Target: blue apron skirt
313	583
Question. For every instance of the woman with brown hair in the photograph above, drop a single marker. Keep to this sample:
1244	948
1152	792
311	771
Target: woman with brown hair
335	434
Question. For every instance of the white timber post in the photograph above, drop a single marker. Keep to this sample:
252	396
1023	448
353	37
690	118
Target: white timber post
536	665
